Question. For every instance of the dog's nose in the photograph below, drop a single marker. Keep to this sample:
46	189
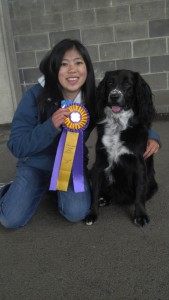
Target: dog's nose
115	94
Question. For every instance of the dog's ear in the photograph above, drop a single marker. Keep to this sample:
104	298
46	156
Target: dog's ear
101	97
144	101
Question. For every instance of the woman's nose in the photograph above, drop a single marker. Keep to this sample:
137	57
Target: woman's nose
72	68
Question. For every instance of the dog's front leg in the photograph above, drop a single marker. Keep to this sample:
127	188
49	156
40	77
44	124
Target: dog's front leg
96	183
141	218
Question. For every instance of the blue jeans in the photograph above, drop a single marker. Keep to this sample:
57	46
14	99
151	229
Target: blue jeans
19	201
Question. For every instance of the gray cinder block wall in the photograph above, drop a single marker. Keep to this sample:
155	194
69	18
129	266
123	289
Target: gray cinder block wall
132	34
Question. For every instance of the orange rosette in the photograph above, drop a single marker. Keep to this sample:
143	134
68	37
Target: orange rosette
78	119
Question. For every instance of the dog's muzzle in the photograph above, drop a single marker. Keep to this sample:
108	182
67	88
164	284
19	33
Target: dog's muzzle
116	100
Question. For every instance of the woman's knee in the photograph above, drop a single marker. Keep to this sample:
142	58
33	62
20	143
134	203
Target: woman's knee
11	222
74	216
21	200
74	210
74	206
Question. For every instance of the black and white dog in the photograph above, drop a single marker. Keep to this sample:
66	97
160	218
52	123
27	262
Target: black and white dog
120	173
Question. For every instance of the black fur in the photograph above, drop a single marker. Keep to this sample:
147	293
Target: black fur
120	174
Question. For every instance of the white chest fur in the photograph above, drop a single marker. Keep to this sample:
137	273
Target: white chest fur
113	125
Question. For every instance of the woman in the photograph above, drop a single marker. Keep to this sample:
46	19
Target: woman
36	130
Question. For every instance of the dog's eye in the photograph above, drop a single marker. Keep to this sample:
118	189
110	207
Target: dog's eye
110	83
127	85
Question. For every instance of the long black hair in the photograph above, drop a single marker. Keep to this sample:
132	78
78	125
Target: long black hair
51	95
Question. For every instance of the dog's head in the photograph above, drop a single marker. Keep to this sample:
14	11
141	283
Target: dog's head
123	90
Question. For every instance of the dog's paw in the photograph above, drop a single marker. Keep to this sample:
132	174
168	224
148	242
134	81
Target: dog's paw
141	220
90	219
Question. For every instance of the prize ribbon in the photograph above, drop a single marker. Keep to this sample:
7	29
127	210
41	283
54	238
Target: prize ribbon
69	155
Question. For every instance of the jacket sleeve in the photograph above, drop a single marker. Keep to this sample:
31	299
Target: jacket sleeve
152	134
29	137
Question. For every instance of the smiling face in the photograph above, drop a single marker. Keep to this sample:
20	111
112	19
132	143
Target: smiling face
72	74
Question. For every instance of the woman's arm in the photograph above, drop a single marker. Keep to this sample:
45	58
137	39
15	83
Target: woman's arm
29	137
153	144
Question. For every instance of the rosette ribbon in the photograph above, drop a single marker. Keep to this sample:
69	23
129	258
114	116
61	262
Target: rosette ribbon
69	155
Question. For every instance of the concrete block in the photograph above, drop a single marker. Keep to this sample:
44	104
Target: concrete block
131	31
21	26
161	108
161	101
78	19
31	75
140	65
168	44
86	4
93	52
31	42
56	37
167	8
112	15
101	67
47	23
28	8
11	11
53	6
40	55
156	81
149	47
21	76
159	63
115	50
142	1
25	59
147	11
159	28
97	35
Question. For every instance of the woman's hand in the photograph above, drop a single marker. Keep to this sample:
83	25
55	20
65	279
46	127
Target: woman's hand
152	148
59	116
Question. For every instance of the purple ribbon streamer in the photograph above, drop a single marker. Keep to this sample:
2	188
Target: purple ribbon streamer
77	169
57	162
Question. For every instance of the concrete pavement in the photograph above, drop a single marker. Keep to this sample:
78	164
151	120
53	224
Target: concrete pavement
53	259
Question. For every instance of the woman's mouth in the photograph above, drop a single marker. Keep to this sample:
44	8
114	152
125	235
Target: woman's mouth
72	80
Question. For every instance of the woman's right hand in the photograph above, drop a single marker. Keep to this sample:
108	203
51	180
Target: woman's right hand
59	116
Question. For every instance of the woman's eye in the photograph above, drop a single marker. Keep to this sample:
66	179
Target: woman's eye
79	62
63	64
